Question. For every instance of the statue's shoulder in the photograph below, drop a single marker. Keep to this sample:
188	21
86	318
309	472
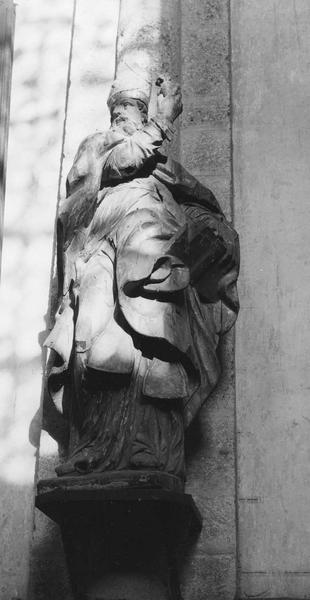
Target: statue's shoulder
93	142
100	142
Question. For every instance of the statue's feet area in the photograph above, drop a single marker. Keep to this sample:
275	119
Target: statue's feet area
86	463
109	480
80	464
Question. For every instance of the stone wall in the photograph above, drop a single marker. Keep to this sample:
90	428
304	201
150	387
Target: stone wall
210	571
271	86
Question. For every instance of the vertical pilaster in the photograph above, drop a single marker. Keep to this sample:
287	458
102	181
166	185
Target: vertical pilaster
206	153
271	140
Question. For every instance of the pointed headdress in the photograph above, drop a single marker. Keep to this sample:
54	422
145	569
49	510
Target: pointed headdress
130	83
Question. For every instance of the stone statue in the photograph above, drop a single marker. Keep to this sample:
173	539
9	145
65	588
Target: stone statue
147	269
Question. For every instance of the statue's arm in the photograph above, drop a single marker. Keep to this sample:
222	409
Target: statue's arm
86	169
128	155
83	181
76	210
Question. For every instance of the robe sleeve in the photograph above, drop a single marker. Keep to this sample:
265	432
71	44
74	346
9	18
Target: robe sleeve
127	155
213	248
86	169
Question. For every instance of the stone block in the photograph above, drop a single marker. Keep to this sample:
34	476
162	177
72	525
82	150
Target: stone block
209	577
205	48
207	148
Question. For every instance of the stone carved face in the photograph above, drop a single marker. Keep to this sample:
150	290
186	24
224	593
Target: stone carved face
128	113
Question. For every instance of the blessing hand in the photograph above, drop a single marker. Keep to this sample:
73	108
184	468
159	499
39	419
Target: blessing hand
169	99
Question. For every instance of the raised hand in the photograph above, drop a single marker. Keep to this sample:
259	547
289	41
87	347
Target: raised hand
169	99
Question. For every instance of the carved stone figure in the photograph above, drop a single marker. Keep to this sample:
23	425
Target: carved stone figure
147	269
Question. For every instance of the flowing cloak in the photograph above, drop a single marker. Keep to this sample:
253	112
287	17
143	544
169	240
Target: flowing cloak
169	252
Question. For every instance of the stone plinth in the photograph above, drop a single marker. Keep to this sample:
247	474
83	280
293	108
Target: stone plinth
122	532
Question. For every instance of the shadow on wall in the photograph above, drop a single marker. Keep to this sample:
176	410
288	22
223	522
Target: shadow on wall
42	36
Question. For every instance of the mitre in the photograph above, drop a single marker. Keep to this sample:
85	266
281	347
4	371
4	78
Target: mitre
130	83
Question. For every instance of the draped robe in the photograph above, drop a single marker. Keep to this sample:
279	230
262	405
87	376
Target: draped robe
147	269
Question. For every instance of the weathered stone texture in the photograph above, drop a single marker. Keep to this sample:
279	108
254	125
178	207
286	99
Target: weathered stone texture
206	152
209	577
205	143
271	48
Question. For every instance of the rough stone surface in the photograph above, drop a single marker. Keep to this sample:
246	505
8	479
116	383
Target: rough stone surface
271	47
209	576
205	140
206	152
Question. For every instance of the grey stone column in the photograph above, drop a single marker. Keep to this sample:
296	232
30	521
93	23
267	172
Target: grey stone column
206	153
7	22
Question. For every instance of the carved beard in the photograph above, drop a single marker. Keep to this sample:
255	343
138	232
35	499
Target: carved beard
127	125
